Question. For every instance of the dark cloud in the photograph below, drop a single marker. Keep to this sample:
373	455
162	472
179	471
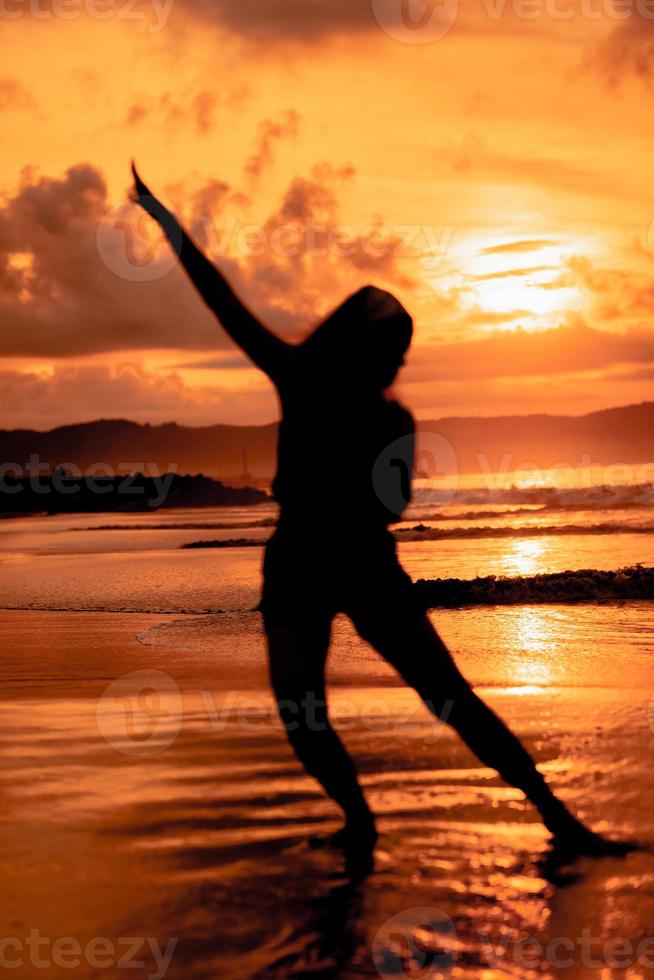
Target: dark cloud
57	295
286	19
629	49
60	295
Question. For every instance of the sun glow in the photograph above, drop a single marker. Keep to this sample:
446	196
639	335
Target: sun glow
531	283
525	556
519	283
534	670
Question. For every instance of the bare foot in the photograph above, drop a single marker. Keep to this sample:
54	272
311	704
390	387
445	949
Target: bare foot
353	834
357	839
358	842
586	842
575	840
571	838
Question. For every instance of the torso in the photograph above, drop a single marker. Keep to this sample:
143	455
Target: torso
328	445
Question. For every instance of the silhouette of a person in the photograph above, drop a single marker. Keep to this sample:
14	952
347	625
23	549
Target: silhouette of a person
332	551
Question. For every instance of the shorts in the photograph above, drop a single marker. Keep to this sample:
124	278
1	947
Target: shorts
306	578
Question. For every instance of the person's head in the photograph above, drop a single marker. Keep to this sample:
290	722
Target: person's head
365	340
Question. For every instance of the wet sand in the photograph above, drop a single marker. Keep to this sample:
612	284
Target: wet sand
168	807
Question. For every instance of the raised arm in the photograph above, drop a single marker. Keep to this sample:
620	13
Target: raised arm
267	351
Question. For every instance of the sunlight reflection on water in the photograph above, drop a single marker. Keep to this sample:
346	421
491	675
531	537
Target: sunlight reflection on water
207	839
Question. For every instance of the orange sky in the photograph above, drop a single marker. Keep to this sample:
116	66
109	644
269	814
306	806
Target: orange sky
495	175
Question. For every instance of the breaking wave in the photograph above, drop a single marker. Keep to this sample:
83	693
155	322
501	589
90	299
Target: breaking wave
596	497
421	532
588	585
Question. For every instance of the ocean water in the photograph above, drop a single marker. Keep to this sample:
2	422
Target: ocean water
149	791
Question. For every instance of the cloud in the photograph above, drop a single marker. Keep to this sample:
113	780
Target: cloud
14	96
629	49
236	362
74	393
196	109
309	21
60	295
57	295
525	353
286	19
313	260
643	373
512	273
613	295
473	157
529	245
271	132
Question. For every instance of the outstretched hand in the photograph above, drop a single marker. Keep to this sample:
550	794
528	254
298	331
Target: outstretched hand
266	350
139	185
143	196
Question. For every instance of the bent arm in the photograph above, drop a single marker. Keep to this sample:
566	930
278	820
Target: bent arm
267	351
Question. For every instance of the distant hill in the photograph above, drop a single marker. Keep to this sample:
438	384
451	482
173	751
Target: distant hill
215	450
615	435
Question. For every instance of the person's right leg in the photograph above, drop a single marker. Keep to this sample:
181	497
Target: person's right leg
297	656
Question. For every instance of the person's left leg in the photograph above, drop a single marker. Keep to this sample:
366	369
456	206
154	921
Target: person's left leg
405	637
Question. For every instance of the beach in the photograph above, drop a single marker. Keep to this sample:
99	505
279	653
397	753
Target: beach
150	794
